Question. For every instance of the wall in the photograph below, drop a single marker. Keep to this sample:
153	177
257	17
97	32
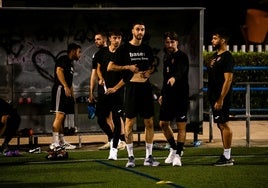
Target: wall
31	39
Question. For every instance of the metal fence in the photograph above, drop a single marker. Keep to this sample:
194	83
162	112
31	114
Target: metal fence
247	87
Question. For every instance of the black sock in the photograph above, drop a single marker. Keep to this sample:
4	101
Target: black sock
122	137
172	143
180	147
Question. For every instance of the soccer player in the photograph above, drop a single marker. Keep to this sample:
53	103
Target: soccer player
136	60
174	99
220	78
63	101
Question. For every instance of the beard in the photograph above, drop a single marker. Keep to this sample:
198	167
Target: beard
170	50
139	37
217	46
76	58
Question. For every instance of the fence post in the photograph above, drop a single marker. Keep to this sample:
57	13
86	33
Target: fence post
248	115
211	122
243	48
259	48
235	48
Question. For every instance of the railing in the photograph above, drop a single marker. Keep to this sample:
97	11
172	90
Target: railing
247	109
242	48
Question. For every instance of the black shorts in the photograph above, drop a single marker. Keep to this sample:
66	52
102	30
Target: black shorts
107	103
174	108
139	100
221	116
60	102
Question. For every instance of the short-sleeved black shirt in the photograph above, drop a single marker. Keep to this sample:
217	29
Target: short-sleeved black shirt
176	65
128	54
67	65
223	63
111	77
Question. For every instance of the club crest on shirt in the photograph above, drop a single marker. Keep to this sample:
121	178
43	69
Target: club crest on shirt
167	69
218	58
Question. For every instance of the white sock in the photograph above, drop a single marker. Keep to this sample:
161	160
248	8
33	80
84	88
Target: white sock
61	137
130	149
227	153
149	149
55	137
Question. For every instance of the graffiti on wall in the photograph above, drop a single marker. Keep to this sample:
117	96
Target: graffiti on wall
31	41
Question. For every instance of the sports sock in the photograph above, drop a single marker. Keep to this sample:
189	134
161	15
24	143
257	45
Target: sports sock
55	137
149	149
172	143
227	153
61	137
111	143
130	149
179	147
122	137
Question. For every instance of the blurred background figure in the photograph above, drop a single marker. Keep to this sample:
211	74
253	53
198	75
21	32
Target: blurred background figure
9	124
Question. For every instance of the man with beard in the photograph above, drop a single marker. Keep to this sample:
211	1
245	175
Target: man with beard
136	60
104	122
174	97
220	78
62	100
100	40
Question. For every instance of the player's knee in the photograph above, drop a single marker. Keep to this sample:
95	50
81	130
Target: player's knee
163	125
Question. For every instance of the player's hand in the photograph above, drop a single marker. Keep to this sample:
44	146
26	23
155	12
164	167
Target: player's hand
171	81
110	91
133	68
218	105
160	100
68	92
101	82
145	74
91	98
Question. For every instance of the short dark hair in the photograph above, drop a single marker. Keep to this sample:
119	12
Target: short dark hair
115	32
137	22
73	46
172	35
222	32
102	33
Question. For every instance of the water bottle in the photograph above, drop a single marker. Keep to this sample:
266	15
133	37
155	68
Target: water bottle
91	110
